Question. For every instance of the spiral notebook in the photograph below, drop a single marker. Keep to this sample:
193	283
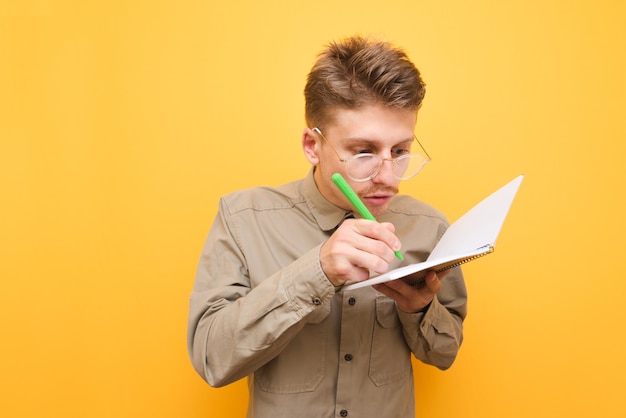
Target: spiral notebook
473	235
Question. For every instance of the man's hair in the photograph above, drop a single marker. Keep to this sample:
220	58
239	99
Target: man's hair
360	71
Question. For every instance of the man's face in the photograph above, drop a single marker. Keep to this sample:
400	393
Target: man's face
371	129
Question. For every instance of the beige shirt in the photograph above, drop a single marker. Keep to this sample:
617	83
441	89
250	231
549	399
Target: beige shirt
262	307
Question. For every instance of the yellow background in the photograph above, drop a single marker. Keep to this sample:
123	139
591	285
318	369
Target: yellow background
122	122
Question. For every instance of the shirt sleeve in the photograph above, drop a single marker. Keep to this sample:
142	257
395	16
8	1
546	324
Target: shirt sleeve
435	335
234	329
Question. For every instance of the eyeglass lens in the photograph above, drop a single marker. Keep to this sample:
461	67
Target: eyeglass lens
365	166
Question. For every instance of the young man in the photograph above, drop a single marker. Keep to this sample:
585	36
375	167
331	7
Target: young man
268	300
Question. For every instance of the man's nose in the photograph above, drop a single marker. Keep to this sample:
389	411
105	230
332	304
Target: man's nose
385	174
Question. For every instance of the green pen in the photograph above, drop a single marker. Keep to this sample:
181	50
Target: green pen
356	202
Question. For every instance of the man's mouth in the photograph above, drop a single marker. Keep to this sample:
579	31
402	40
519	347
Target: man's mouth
378	199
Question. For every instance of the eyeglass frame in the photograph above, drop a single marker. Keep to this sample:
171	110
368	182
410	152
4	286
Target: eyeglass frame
427	159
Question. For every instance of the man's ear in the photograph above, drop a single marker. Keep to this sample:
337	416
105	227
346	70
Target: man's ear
310	141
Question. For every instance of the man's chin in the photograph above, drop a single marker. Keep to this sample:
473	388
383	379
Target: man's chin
378	206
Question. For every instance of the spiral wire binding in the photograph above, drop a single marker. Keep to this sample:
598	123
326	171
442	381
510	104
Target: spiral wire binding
419	281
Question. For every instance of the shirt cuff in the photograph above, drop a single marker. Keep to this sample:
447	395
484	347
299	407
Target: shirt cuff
424	317
306	285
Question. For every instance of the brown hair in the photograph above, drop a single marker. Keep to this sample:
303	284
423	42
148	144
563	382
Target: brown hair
358	71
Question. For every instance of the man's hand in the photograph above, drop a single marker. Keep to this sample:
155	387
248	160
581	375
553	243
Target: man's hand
357	247
409	298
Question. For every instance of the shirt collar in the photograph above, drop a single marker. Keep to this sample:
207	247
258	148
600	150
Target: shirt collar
327	215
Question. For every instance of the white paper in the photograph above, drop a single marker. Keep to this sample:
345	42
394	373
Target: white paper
472	235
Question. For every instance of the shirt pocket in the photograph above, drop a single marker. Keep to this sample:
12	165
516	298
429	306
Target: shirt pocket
390	356
300	367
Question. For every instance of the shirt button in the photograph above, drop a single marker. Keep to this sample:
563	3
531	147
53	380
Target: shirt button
316	301
343	413
351	301
348	357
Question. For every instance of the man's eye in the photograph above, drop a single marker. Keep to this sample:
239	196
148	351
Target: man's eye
401	151
363	151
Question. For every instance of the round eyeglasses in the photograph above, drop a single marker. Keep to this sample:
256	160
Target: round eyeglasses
366	166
